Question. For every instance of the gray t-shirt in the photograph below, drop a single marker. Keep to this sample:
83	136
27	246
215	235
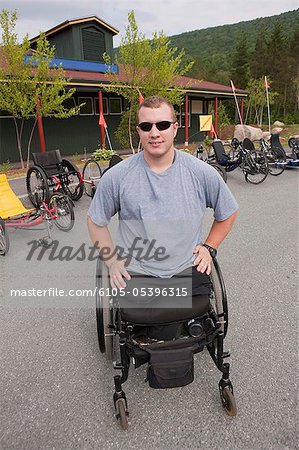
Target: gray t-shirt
160	215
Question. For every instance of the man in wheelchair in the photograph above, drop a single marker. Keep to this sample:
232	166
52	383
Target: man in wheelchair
161	195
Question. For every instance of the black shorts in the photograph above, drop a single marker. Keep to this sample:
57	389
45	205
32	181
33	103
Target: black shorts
196	283
199	287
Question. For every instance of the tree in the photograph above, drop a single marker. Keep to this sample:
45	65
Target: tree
29	80
17	91
149	65
240	63
257	99
259	59
50	87
296	86
279	66
294	70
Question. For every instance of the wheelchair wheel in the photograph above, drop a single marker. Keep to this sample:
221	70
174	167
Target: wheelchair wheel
4	239
63	210
37	186
220	170
276	160
91	176
220	297
72	181
104	312
121	413
256	167
228	401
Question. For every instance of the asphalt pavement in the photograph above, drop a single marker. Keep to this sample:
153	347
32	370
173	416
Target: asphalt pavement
56	388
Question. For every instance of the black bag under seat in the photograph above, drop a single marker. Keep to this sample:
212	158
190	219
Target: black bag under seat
170	368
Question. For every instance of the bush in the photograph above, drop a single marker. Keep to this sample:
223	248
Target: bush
104	154
4	167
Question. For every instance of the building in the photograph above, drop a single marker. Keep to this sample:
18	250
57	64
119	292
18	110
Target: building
78	45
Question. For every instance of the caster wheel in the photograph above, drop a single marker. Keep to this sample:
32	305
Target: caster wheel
228	401
122	413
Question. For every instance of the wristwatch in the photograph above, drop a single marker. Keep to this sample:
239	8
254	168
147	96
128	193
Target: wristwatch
212	250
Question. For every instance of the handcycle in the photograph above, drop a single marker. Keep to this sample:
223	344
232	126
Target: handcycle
275	154
252	161
170	362
48	172
13	214
202	154
293	159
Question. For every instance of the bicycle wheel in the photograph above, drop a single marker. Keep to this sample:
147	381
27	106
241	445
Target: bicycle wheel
220	170
4	239
256	167
63	210
37	186
91	176
71	182
276	161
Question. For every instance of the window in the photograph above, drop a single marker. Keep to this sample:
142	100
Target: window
181	115
197	107
105	106
87	108
115	105
69	103
93	42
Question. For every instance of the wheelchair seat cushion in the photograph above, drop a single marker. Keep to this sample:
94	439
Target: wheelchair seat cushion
221	157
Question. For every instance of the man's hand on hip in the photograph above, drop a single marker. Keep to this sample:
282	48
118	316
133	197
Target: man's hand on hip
203	259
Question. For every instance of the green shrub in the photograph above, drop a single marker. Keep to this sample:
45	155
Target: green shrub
4	167
104	154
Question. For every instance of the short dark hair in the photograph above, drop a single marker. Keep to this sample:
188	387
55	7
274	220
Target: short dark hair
155	102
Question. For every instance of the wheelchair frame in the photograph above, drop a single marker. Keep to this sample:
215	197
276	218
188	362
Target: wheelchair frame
113	331
51	171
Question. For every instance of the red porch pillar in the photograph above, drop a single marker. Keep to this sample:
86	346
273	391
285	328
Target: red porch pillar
41	134
186	120
216	115
242	109
101	120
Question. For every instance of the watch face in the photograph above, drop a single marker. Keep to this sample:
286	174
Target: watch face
213	251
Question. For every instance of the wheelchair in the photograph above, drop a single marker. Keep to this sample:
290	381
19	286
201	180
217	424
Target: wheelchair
50	171
170	363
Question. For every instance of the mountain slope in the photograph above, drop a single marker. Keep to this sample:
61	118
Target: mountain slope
222	39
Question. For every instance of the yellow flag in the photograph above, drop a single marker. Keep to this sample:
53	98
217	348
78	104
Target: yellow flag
205	123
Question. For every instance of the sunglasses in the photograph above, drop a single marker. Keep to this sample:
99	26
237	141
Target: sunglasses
161	126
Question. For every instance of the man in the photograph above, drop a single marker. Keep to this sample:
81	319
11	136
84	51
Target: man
161	195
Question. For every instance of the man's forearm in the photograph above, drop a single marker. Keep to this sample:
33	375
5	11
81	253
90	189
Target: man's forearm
101	238
220	230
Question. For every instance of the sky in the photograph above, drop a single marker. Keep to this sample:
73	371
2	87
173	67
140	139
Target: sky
172	16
